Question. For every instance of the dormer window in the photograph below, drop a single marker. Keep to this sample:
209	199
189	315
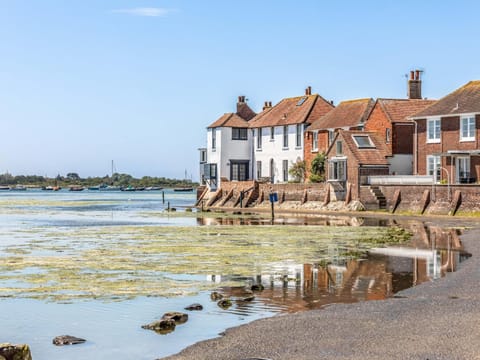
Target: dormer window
363	141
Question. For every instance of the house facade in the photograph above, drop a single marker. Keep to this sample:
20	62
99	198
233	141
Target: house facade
352	157
278	135
446	137
229	147
389	118
348	115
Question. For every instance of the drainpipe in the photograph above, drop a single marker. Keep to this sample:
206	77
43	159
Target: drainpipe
415	158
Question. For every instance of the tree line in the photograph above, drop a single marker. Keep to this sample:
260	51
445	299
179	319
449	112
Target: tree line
70	179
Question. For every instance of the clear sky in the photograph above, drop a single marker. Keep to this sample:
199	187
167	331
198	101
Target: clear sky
84	82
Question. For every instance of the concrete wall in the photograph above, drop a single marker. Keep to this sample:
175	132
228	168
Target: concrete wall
295	192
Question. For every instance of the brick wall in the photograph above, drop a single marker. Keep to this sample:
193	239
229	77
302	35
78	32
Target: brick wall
308	154
295	192
402	138
378	122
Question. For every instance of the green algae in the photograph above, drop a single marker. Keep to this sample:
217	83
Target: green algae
122	262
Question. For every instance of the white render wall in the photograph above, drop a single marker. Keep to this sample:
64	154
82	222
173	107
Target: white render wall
226	150
273	149
401	164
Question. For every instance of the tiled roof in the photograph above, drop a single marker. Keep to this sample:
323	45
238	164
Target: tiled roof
230	120
295	110
347	114
398	110
365	156
462	101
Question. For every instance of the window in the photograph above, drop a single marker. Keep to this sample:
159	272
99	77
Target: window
285	170
214	139
387	135
433	131
434	167
239	133
299	133
210	171
336	169
331	135
467	128
301	101
339	148
259	138
203	155
285	136
363	141
238	170
272	133
315	141
259	170
463	169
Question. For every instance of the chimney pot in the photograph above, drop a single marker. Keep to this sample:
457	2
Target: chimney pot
269	104
417	74
308	91
412	75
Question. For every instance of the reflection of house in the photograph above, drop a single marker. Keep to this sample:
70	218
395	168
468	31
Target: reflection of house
348	115
278	134
447	137
229	147
352	156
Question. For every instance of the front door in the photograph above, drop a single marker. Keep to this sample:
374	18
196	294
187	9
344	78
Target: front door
463	169
238	170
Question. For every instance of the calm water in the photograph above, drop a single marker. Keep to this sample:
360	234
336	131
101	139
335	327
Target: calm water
99	265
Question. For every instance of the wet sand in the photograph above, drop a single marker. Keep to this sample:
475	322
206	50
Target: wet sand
435	320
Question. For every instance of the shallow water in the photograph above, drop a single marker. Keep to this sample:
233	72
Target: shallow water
99	265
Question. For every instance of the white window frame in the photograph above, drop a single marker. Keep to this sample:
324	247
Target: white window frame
471	127
259	139
315	141
337	166
298	136
272	133
434	166
259	170
387	135
285	137
437	130
214	139
285	170
463	163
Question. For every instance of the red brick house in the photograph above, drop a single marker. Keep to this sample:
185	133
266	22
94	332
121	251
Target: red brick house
352	157
348	115
447	136
389	118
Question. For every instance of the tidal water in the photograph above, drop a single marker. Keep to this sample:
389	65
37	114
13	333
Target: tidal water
98	265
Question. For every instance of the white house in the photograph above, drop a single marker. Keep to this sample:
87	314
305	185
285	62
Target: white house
229	147
277	134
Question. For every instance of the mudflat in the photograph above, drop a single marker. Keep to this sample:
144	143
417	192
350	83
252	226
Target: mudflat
435	320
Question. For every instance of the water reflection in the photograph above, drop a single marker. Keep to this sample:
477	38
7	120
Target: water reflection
377	275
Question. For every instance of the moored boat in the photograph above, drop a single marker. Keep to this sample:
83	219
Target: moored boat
183	189
76	188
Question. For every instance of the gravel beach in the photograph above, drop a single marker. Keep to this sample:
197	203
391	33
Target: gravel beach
435	320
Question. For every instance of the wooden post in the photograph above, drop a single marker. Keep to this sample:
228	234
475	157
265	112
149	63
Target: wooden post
273	210
168	206
163	197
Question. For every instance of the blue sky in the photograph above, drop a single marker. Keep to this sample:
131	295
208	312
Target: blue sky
84	82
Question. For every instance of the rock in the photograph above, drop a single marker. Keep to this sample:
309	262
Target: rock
178	317
163	326
188	210
224	303
257	287
67	340
194	307
15	352
247	299
216	296
356	206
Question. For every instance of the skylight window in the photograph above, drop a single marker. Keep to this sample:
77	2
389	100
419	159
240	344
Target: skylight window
301	101
363	141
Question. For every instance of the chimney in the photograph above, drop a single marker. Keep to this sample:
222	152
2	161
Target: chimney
241	99
267	105
308	91
415	85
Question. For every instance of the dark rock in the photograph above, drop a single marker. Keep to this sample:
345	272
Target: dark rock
193	307
67	340
257	287
178	317
15	352
163	326
247	299
188	209
224	303
216	296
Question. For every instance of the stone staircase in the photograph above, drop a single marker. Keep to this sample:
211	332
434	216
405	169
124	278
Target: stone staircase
382	201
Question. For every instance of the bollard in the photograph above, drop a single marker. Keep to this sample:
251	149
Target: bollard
163	197
168	206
